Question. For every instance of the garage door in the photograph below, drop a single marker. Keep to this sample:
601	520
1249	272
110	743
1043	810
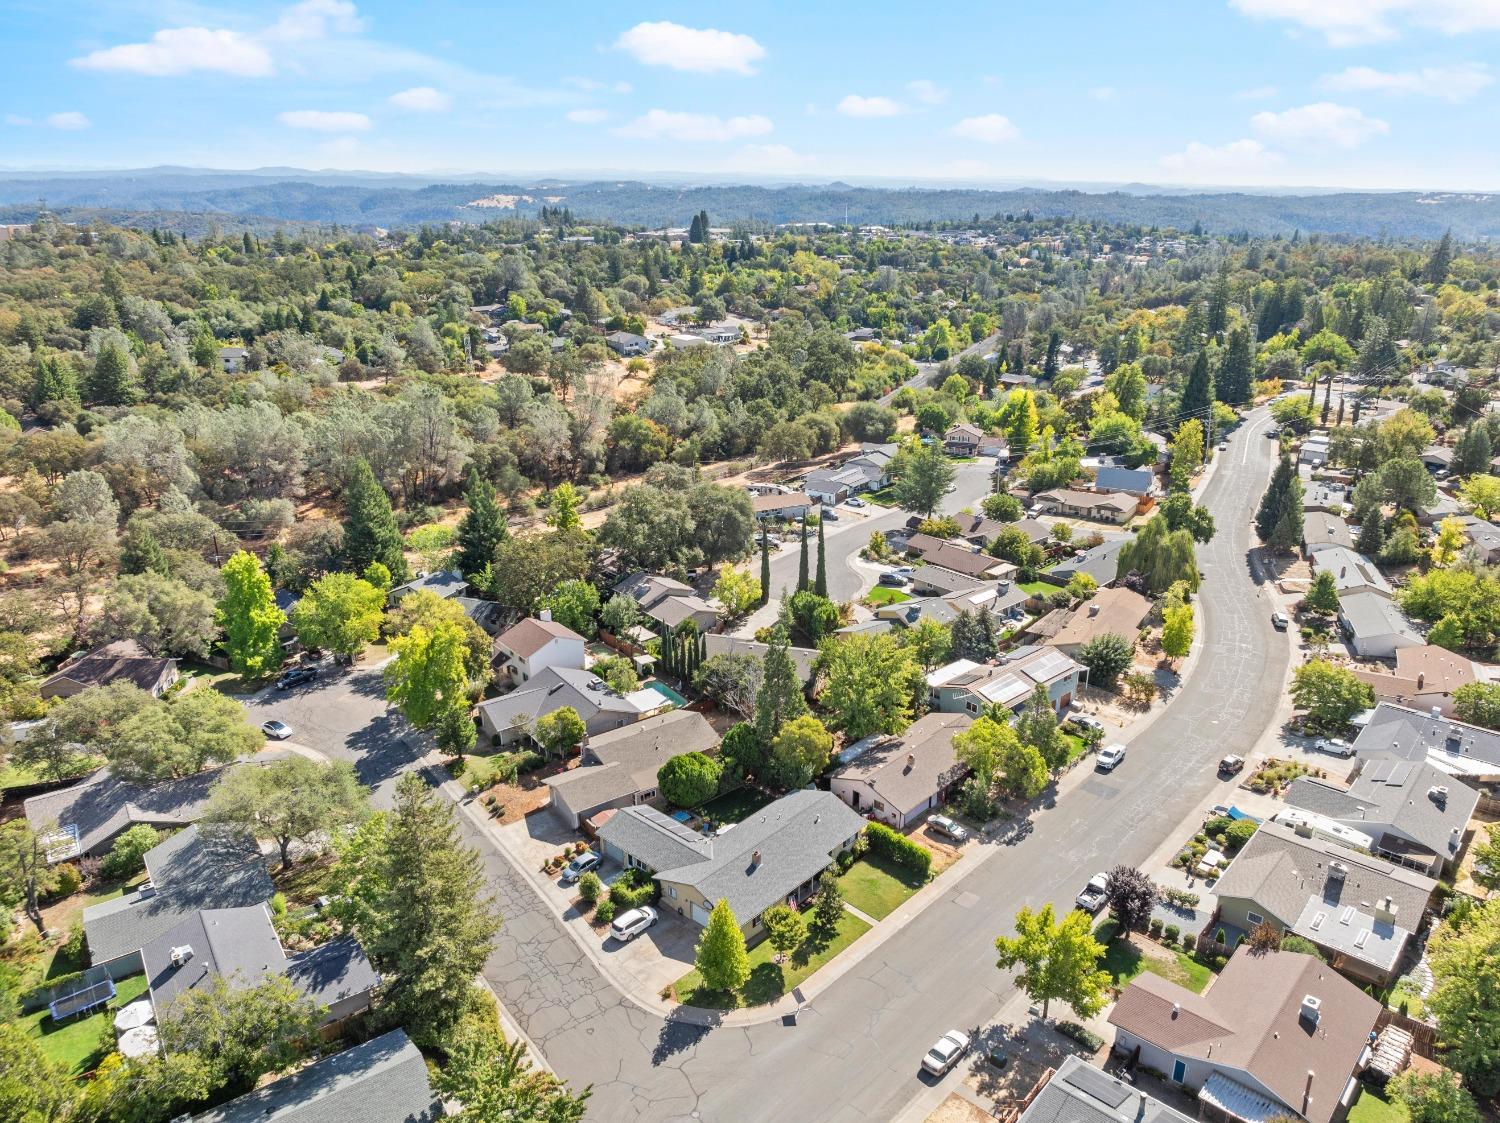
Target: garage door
700	914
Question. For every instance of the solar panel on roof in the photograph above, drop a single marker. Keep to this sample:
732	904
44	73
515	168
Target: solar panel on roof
1099	1085
1049	664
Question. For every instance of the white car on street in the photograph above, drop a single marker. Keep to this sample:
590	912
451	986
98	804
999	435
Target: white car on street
1110	757
629	925
945	1052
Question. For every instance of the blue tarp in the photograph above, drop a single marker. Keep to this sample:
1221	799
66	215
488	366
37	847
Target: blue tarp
1236	813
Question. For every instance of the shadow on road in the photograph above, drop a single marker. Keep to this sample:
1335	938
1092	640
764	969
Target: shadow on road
381	750
681	1036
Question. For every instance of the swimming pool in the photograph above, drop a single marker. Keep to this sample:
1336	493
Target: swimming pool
667	692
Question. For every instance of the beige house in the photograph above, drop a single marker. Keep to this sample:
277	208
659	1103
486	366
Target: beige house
121	661
1424	678
1097	506
1114	610
899	779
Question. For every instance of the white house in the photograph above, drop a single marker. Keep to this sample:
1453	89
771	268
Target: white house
536	643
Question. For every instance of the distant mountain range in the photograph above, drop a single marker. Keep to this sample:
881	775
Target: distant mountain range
188	199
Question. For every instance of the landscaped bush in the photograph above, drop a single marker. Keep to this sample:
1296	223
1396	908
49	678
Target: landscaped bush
1155	926
1181	898
128	858
1171	933
1085	1037
605	912
634	888
897	848
590	887
69	880
1239	833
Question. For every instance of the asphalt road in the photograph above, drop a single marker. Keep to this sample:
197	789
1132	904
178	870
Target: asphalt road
926	370
853	1054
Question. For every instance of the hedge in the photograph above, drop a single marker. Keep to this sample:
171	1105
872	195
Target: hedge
634	888
1085	1037
897	848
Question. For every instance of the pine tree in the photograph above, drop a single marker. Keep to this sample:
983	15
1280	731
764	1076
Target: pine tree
1471	455
1436	270
53	382
765	567
721	957
780	697
1269	510
1050	366
1218	303
370	533
1371	538
802	561
1286	536
1198	395
481	530
112	381
1233	382
820	582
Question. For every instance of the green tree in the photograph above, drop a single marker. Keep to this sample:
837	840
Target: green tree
169	740
1198	393
33	1087
799	752
780	698
112	381
560	732
720	957
785	928
736	590
828	902
1330	694
1465	961
1187	453
1472	452
1106	658
1161	556
562	510
1322	595
1182	513
425	917
1001	507
370	533
923	475
820	579
481	530
1435	272
689	779
249	617
529	566
870	683
803	582
164	615
1434	1097
1036	728
1478	703
339	612
974	636
493	1079
765	567
242	1032
292	800
1057	960
573	604
1177	631
429	672
1407	484
1236	369
25	875
929	641
77	730
454	733
127	857
618	673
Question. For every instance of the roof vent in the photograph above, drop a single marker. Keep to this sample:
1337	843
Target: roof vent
181	954
911	760
1438	793
1312	1006
1176	1009
545	615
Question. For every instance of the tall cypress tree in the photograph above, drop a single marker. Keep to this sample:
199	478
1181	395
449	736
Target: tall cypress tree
481	530
820	583
779	699
1198	394
802	562
1269	510
1233	383
112	382
370	533
53	382
765	567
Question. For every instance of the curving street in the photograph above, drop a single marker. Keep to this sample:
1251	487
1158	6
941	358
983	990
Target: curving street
854	1052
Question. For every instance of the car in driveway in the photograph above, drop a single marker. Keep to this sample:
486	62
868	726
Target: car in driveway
941	824
628	925
276	730
830	515
1335	746
1232	765
1110	757
854	501
894	579
296	677
1086	721
579	866
1093	895
1280	621
1223	446
946	1052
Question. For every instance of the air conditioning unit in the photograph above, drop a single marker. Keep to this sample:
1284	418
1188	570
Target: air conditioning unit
1338	871
181	954
1312	1006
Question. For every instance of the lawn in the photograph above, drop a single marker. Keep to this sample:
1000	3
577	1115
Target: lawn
1124	961
769	980
877	887
733	806
15	776
1039	588
1373	1106
885	497
76	1043
884	594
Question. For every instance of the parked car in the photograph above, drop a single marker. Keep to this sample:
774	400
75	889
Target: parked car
946	827
629	925
1280	621
1232	765
1334	745
854	501
1110	757
945	1052
1223	446
1086	721
904	570
296	677
1094	894
579	866
830	514
894	579
1273	432
276	730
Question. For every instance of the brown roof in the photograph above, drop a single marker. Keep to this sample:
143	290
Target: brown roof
780	501
960	559
1119	500
531	635
1116	610
121	661
903	782
1424	677
1251	1020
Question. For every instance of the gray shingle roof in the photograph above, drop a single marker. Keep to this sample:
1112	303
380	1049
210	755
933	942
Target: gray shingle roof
333	971
381	1081
1080	1093
121	661
445	584
795	836
552	688
1398	794
1101	562
1367	613
883	765
717	643
238	943
1450	746
658	840
630	757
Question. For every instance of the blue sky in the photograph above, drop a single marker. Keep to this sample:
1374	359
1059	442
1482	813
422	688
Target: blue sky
1362	93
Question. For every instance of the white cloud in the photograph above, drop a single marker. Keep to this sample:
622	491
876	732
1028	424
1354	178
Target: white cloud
588	116
700	50
991	128
1456	83
593	86
927	92
1347	23
1319	124
662	124
1236	156
324	121
181	50
1103	93
315	19
853	105
69	121
422	99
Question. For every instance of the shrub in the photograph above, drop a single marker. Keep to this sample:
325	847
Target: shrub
1085	1037
73	945
605	912
128	857
590	887
632	889
278	904
1221	962
1219	936
1171	933
1239	833
1155	926
897	848
69	880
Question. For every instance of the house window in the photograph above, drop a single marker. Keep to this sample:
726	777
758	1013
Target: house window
648	796
672	892
1255	918
879	806
971	707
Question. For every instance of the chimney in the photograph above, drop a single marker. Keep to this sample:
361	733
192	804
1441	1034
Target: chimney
1307	1092
755	860
1385	911
1312	1005
545	614
1422	681
911	760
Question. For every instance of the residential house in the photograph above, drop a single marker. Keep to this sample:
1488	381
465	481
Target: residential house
1313	453
1322	495
832	486
1423	736
668	602
1097	506
1117	611
720	644
961	558
627	344
1077	1092
444	585
1437	458
488	615
962	439
84	819
1279	1033
964	686
1321	531
1037	532
1373	624
384	1078
1484	539
977	529
934	580
862	335
1424	679
1443	506
1004	600
121	661
897	780
996	446
1139	482
1361	910
720	335
618	769
185	874
534	644
1101	562
773	857
232	359
1352	572
682	341
512	717
1413	813
783	507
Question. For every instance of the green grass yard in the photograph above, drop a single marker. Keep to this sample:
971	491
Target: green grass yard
1124	961
877	887
76	1043
884	594
733	806
1039	588
769	980
1375	1107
